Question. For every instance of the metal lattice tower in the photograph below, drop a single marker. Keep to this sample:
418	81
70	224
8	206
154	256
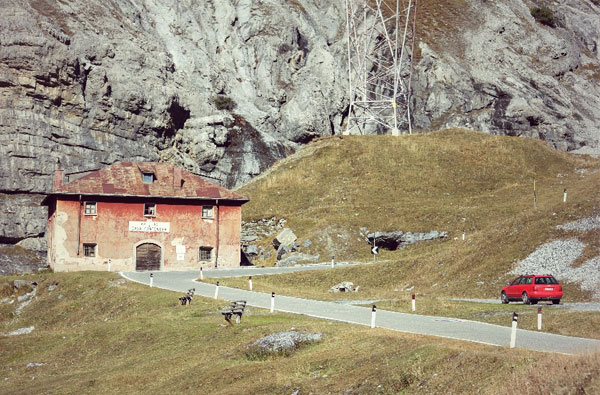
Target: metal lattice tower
380	45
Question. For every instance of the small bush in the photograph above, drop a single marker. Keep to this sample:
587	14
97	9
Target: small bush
223	102
544	15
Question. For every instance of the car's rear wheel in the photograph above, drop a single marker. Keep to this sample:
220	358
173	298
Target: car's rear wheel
555	301
504	298
525	298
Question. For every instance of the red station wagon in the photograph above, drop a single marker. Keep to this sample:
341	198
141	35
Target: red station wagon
532	288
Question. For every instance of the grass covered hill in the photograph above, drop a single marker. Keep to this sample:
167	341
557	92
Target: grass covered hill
95	333
451	180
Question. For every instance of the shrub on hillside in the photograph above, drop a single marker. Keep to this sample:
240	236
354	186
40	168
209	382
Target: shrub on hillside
223	102
544	15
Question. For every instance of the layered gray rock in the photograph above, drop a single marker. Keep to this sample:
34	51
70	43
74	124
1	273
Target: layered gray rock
398	239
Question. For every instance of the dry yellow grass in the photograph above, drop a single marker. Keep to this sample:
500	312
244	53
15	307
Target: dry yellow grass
106	336
450	181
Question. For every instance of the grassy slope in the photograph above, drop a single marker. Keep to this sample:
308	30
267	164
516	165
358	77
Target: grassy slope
103	336
450	181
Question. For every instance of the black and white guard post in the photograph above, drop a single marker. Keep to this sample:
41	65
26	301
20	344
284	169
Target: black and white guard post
217	290
374	250
151	280
109	262
272	301
201	274
373	315
565	195
414	303
539	318
332	261
513	332
250	283
463	235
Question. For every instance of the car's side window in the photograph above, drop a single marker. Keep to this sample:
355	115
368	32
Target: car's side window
518	281
540	280
529	280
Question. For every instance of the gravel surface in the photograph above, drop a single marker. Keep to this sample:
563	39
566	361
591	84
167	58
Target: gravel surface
582	225
557	257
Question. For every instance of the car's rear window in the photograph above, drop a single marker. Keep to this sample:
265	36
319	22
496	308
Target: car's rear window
545	280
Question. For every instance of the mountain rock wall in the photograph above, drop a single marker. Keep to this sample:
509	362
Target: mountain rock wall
225	88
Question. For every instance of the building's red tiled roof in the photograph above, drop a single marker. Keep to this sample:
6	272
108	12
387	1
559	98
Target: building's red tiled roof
125	179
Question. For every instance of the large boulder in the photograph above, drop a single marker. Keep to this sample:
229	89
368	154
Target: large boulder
399	239
286	237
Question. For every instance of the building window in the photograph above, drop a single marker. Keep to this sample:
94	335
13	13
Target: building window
89	249
205	253
150	210
207	211
90	208
148	178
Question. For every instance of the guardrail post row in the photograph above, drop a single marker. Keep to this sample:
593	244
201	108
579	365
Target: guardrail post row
414	303
151	280
513	332
272	301
373	314
539	318
217	290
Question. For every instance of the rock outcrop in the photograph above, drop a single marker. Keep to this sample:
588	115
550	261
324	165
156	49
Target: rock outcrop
398	240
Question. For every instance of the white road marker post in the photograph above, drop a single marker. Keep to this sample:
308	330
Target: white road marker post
151	280
373	315
414	303
109	264
272	301
463	235
565	195
217	290
332	261
201	274
250	283
539	318
513	332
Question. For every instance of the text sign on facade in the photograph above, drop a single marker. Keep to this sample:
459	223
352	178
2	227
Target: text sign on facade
149	226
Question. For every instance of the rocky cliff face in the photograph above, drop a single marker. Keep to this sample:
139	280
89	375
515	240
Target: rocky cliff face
226	87
501	71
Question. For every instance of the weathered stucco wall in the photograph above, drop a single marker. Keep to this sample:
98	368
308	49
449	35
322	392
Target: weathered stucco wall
109	229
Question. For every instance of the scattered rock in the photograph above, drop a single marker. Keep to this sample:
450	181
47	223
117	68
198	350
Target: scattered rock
344	286
252	250
398	239
21	331
283	342
34	364
281	251
18	284
295	259
286	237
306	244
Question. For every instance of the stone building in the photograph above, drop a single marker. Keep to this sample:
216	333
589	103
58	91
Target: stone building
142	216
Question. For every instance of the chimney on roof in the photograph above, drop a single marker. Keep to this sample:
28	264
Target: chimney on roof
177	178
57	181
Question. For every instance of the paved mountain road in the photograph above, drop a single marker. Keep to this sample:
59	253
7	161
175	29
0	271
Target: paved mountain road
410	323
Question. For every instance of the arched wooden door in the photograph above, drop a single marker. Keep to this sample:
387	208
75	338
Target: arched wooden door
147	257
